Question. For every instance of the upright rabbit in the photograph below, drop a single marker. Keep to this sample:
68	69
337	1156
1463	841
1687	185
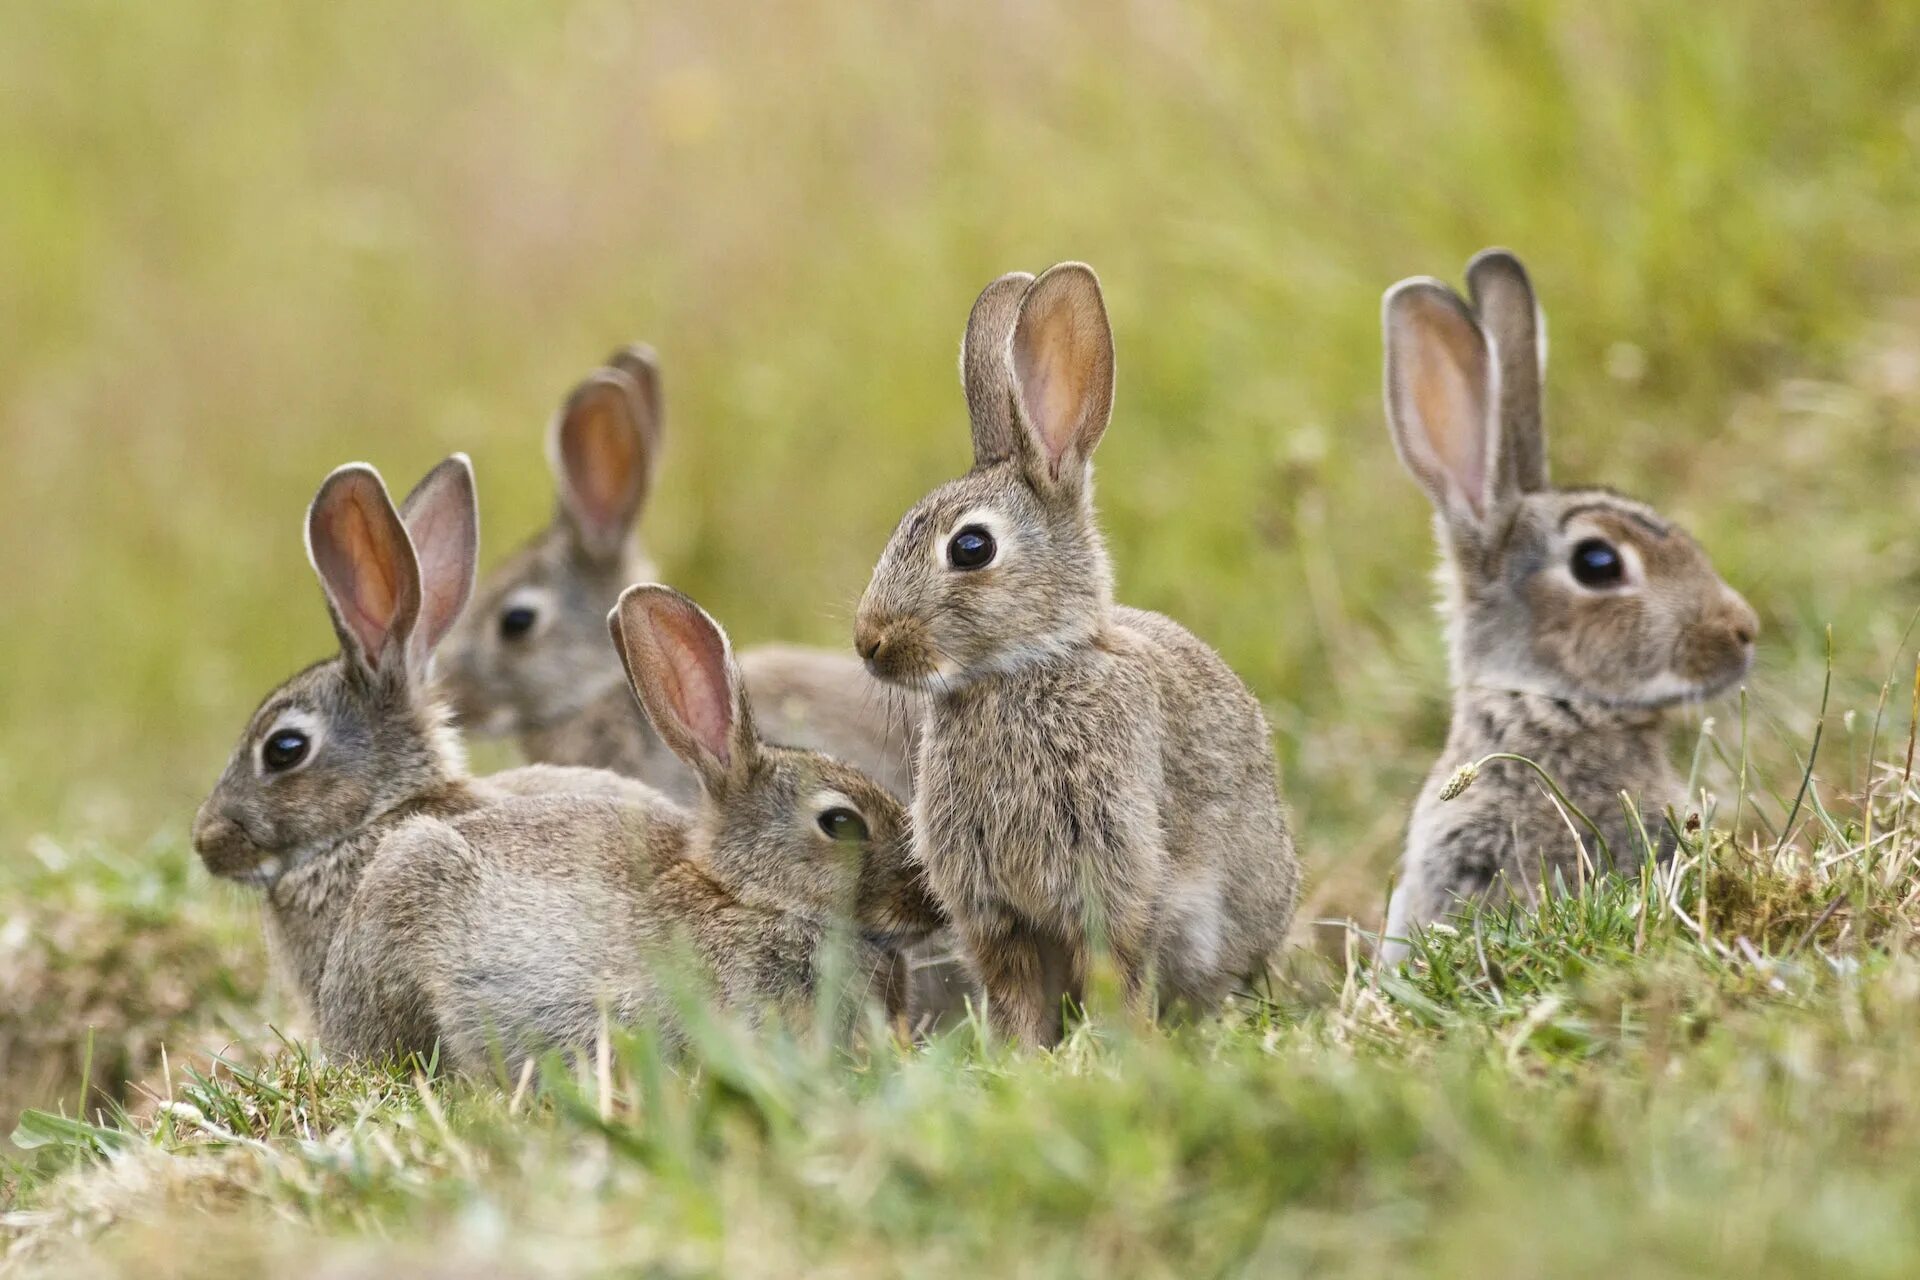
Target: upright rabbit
531	658
1086	772
1575	617
351	749
527	923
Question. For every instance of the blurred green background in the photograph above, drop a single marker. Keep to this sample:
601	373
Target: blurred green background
243	243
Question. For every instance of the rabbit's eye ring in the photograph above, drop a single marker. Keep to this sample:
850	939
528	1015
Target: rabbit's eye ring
843	824
283	750
1597	563
517	621
971	548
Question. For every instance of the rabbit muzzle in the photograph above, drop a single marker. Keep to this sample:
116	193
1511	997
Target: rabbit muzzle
228	850
1717	648
897	650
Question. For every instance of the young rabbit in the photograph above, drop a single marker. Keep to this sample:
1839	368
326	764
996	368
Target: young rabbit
1086	772
349	750
531	659
526	923
1575	617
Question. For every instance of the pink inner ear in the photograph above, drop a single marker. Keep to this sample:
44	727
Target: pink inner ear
1062	353
360	562
1454	415
443	539
1445	389
1047	391
695	668
600	453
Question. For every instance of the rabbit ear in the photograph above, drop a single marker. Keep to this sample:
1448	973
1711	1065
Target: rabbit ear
1062	362
641	363
984	373
598	449
1503	300
1440	389
366	564
682	670
442	516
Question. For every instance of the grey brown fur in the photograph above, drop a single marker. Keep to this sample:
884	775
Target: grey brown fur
516	949
415	906
1576	677
1087	773
559	689
381	753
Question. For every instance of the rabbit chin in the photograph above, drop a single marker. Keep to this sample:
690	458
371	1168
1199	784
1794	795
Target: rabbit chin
1014	657
1656	693
262	874
1670	689
274	865
259	873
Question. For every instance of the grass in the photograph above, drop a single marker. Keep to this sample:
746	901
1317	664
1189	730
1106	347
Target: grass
1709	1069
243	244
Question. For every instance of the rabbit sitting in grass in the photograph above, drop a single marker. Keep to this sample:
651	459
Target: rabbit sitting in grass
348	751
1088	774
526	925
1575	617
531	658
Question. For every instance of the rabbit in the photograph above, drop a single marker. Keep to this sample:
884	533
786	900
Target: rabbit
531	659
1575	618
1085	770
349	750
525	924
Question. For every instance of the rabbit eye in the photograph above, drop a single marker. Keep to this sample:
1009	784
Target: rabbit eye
971	548
1597	563
843	824
517	621
284	750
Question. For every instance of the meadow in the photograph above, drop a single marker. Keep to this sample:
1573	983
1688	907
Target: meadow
242	244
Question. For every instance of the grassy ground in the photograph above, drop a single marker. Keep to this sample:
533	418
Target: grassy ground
244	243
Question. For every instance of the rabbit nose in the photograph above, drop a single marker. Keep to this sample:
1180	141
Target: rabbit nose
215	831
211	829
869	639
1739	618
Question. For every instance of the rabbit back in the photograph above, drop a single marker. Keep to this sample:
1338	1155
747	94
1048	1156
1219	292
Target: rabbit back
510	929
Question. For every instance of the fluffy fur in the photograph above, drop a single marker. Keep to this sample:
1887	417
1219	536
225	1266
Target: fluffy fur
414	905
1087	774
517	950
557	686
379	754
1574	676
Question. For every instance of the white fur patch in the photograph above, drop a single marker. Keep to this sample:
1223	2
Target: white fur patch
987	518
826	798
296	719
538	599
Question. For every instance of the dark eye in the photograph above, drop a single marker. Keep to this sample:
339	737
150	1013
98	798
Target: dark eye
517	621
971	548
843	824
284	750
1597	563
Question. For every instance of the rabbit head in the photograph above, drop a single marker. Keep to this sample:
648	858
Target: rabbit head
1005	565
1571	593
795	830
533	650
357	735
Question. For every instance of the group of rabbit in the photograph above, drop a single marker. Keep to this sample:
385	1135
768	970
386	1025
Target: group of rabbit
1015	777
